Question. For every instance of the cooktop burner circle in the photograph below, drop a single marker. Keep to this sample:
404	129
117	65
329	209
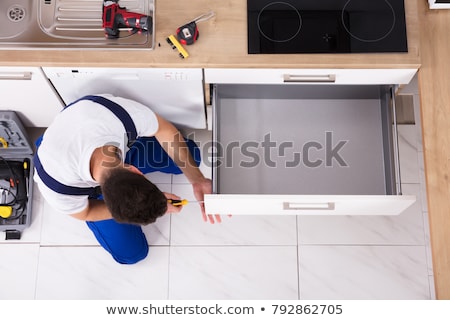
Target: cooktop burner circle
276	13
359	22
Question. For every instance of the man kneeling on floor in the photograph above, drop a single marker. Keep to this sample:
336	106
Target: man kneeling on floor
91	162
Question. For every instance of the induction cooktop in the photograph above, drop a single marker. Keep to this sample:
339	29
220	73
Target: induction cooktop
326	26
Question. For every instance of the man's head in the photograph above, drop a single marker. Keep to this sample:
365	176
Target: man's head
131	198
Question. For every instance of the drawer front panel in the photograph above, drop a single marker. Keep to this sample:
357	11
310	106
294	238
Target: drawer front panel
239	204
305	76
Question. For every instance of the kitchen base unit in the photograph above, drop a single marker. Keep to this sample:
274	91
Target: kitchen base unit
175	94
305	149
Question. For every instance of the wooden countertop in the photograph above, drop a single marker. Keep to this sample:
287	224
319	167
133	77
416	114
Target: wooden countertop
222	43
434	85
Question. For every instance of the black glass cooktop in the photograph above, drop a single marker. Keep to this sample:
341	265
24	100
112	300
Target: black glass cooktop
326	26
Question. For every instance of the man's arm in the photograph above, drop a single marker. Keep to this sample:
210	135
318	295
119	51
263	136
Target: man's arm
96	210
174	144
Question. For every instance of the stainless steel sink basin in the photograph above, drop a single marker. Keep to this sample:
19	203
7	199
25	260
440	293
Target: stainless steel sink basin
67	24
16	17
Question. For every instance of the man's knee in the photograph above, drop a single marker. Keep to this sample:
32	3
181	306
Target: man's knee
132	259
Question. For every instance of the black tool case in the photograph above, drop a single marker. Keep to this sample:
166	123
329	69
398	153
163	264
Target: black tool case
16	176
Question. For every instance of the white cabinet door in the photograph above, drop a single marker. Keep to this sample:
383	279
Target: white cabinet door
313	76
245	204
175	94
27	91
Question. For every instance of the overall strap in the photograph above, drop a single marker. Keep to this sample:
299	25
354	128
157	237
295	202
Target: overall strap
118	111
92	192
51	183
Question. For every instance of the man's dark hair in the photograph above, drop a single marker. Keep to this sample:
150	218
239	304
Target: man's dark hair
132	198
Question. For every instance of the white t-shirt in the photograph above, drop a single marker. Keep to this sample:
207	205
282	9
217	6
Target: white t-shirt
70	140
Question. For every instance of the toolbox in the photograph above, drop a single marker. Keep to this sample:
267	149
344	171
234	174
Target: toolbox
16	180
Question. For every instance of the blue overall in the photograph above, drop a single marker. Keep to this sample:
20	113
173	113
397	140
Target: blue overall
125	242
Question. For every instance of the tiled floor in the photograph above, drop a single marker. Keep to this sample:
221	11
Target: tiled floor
244	257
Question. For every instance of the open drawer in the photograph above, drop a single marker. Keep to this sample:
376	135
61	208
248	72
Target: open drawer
305	149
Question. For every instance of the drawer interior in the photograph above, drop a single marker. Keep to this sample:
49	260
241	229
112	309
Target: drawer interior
303	139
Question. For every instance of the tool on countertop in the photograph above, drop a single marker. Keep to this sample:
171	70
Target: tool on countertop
115	16
177	45
182	202
187	34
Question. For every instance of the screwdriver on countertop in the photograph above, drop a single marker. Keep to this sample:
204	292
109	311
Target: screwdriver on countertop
183	202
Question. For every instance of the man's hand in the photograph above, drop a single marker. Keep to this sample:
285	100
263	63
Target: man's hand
200	189
174	144
171	208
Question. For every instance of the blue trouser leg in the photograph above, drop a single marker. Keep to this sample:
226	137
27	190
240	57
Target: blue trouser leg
125	242
148	155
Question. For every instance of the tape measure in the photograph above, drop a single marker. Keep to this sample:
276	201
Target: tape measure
187	34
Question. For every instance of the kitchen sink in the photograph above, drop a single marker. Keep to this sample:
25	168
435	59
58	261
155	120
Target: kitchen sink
68	24
16	18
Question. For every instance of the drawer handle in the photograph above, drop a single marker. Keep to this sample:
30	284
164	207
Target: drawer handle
308	206
15	75
309	78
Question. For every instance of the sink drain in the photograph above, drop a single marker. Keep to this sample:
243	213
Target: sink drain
16	13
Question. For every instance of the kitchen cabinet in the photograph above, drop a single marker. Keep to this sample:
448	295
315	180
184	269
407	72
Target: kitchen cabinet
305	149
27	91
176	94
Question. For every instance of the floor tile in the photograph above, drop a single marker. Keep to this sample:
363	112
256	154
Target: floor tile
243	272
363	272
159	177
91	273
158	233
404	229
61	229
188	227
18	267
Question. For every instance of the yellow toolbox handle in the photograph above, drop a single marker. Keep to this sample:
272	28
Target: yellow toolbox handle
5	212
4	142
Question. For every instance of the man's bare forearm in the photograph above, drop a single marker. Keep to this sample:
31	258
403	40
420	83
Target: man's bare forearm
95	211
174	144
